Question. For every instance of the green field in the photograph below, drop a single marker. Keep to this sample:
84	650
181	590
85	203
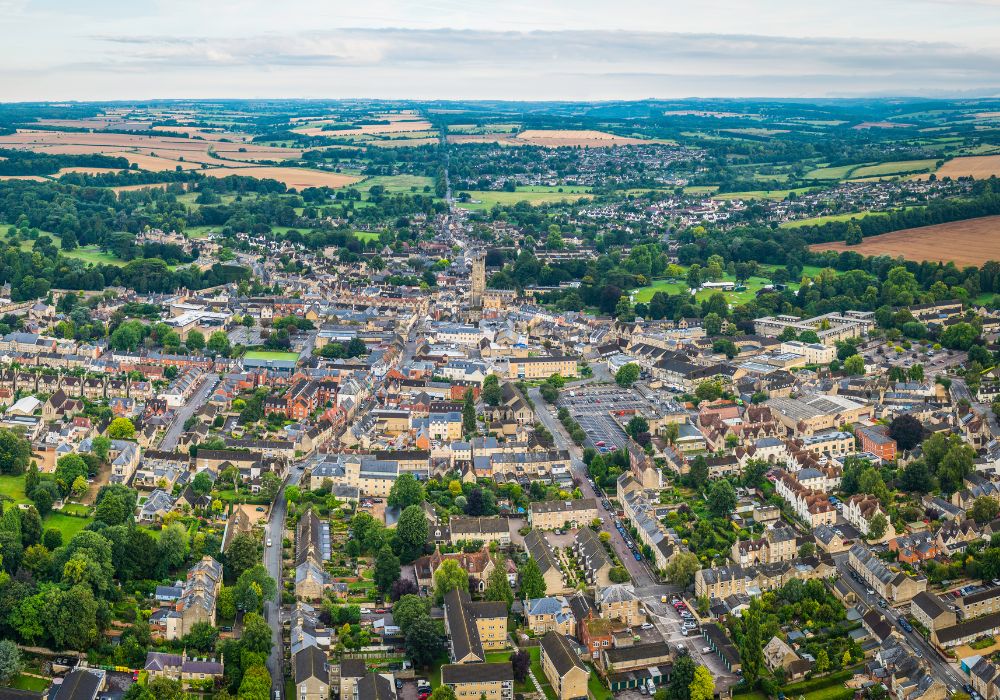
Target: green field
760	194
820	220
271	355
396	183
700	189
32	683
77	509
66	524
753	285
482	199
366	236
831	173
88	254
196	232
13	487
896	167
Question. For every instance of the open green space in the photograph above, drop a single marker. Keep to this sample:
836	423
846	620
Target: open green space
32	683
196	232
366	236
760	194
270	355
753	285
896	167
77	509
396	183
836	172
820	220
482	199
596	688
88	254
68	525
13	487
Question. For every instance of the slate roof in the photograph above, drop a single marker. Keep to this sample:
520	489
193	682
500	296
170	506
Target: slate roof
562	655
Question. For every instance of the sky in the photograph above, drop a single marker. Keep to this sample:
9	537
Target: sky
491	49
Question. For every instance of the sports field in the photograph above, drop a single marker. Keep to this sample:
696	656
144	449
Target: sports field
271	355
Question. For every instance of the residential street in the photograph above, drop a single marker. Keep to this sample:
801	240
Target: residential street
194	404
274	530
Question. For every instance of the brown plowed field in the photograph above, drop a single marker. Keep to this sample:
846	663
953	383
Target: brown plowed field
969	242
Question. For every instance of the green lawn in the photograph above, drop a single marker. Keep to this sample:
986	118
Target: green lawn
495	657
196	232
896	167
397	183
365	236
75	509
94	255
760	194
596	688
271	355
820	220
25	682
832	173
13	487
534	195
753	695
536	668
68	525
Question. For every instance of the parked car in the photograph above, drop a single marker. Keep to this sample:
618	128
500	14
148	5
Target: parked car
638	557
647	625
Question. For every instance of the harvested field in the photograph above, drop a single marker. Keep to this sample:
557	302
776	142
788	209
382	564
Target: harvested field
970	242
553	138
155	163
292	177
147	186
881	125
33	178
199	132
401	143
976	166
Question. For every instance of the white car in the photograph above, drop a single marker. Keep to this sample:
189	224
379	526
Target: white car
690	625
647	625
268	541
366	611
706	650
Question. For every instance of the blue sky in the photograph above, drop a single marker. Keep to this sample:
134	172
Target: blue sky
515	49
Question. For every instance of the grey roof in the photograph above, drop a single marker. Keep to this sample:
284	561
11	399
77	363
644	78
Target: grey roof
543	606
80	684
538	549
556	647
311	663
477	673
376	687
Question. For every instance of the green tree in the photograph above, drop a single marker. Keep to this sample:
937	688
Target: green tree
627	374
682	568
195	341
498	585
15	453
121	429
469	413
256	637
411	530
443	692
637	425
681	678
406	491
984	509
822	661
218	343
492	394
253	587
387	569
702	685
10	661
423	643
877	526
172	547
408	609
854	365
721	499
532	581
202	637
448	577
751	643
256	683
244	552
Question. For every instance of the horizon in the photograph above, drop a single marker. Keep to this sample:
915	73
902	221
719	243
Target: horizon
575	52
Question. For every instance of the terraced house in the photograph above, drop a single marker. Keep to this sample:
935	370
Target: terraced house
562	667
473	627
197	601
894	586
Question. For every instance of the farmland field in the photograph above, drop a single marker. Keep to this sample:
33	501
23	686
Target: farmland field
552	138
291	177
894	168
820	220
758	194
396	183
969	242
974	166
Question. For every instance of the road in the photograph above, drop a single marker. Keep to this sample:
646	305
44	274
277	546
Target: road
646	584
194	404
960	390
275	530
941	669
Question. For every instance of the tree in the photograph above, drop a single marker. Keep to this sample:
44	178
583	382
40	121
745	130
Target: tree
423	642
806	549
195	341
253	587
627	375
163	688
721	499
916	477
984	509
961	336
218	343
448	577
79	487
387	570
172	548
10	661
712	323
709	390
521	661
406	491
15	453
256	637
408	610
403	586
822	661
751	644
202	637
498	585
906	430
244	552
854	365
256	683
121	429
619	574
702	685
854	235
411	530
443	692
469	413
681	678
637	425
682	568
270	484
697	475
101	447
492	394
532	581
877	526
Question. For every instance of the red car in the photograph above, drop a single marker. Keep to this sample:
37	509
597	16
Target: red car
423	696
380	611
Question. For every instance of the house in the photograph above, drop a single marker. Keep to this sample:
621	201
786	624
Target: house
778	654
179	667
493	681
562	667
351	671
197	602
549	615
590	552
619	602
156	507
861	508
893	585
551	515
80	684
927	609
375	686
539	550
473	627
312	675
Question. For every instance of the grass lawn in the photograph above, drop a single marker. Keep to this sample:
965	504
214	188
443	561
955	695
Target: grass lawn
13	487
397	183
271	355
75	509
829	688
536	668
68	525
196	232
25	682
495	657
365	236
753	285
596	688
533	195
754	695
834	173
760	194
